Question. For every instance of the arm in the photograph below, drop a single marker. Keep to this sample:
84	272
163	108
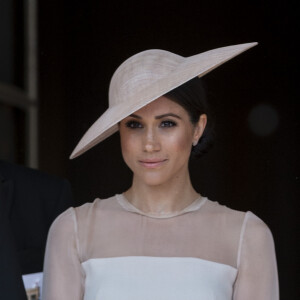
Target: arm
63	274
11	284
47	197
257	270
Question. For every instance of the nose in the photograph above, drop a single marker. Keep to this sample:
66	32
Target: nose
151	141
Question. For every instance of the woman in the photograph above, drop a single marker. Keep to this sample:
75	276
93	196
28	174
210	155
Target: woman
160	239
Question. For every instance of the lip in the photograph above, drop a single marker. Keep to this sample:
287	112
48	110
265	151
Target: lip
152	163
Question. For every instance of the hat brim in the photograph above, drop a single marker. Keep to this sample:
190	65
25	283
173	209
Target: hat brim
190	67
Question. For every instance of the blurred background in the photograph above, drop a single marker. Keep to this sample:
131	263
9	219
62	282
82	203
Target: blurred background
56	61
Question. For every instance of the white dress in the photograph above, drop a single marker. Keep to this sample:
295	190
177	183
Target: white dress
110	250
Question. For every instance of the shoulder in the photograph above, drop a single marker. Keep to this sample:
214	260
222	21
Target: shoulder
38	196
77	223
255	230
63	226
95	207
251	233
247	223
224	215
28	176
91	213
66	218
247	218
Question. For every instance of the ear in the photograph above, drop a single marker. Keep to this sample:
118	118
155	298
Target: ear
199	127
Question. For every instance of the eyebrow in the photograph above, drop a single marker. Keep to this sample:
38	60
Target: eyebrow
158	117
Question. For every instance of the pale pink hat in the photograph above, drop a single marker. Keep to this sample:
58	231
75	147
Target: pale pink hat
145	77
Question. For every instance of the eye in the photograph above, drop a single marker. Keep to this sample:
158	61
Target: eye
133	124
168	124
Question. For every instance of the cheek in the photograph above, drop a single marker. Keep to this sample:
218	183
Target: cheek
128	147
181	144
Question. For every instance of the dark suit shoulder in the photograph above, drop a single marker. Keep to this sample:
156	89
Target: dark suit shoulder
36	199
14	172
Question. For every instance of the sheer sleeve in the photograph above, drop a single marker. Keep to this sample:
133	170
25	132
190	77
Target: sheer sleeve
63	274
257	269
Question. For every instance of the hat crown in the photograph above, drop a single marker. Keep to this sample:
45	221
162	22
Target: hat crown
139	72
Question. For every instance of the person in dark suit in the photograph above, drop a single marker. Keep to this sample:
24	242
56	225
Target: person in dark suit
30	200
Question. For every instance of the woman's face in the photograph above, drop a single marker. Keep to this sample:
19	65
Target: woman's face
156	141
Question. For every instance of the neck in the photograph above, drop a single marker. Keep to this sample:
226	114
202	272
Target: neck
165	198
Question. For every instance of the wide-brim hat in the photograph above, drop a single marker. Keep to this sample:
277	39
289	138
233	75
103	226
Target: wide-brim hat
146	76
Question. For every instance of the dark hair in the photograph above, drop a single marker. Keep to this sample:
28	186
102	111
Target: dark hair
192	97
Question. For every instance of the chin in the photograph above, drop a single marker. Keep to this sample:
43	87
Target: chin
153	179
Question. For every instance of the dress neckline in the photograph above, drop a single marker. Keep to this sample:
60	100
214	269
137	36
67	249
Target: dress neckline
195	205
